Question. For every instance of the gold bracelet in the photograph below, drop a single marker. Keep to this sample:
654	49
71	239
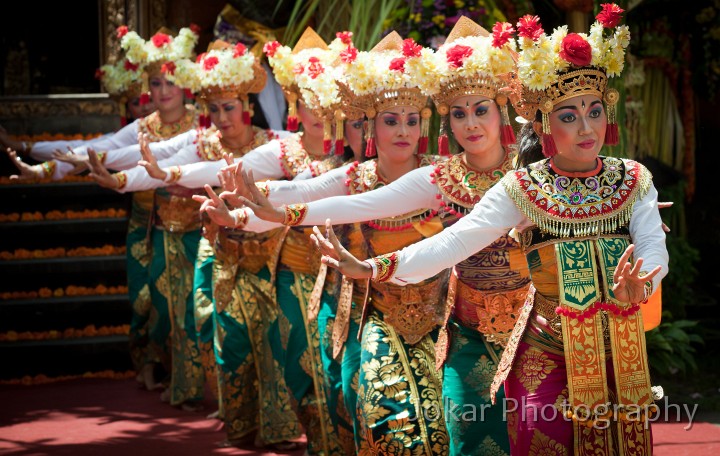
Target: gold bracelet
294	214
386	266
262	186
648	288
121	180
240	218
174	173
49	168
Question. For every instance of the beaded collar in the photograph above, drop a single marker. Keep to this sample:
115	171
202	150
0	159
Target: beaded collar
463	186
590	205
364	177
159	131
211	148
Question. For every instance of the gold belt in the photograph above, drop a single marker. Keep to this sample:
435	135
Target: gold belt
492	313
545	307
298	254
413	310
177	213
250	253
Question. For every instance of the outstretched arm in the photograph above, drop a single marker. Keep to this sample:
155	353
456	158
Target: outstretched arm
493	217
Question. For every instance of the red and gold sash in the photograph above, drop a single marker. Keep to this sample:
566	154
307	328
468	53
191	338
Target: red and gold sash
584	218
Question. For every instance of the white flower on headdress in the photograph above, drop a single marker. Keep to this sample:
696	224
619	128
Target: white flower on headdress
119	77
160	47
223	68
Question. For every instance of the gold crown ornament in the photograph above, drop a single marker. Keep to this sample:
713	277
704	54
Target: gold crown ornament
471	62
224	71
286	64
385	77
161	51
565	65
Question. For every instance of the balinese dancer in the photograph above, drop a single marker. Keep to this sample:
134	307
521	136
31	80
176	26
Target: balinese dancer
171	119
575	368
223	77
399	389
122	81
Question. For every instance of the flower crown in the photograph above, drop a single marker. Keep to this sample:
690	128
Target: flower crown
388	76
470	62
123	81
160	48
223	71
564	65
318	81
289	65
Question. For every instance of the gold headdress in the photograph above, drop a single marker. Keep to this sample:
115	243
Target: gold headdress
284	63
224	71
472	62
379	80
160	53
564	65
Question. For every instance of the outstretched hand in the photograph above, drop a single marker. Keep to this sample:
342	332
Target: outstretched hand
78	162
230	180
149	162
215	208
336	256
27	172
256	200
98	171
628	284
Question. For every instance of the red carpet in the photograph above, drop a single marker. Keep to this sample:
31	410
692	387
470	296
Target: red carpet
115	418
106	418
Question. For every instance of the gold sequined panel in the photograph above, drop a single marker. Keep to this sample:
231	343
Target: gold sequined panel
413	310
176	211
293	157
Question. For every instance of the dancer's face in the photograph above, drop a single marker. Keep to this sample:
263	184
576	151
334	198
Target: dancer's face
475	124
137	110
578	127
311	124
166	95
353	130
397	132
226	115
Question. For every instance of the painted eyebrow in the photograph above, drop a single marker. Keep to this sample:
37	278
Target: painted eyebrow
575	107
390	113
479	102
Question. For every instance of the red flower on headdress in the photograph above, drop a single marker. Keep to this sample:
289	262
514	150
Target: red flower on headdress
161	39
99	73
610	15
240	50
270	48
502	32
529	27
210	62
576	50
348	55
457	54
199	58
168	68
410	48
129	66
315	68
196	29
298	68
398	64
345	37
122	31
